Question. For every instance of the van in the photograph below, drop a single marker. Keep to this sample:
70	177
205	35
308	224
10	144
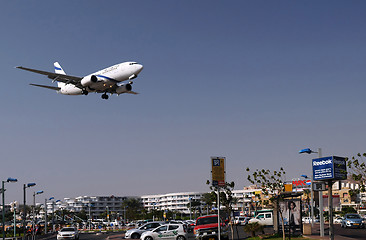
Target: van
241	220
265	218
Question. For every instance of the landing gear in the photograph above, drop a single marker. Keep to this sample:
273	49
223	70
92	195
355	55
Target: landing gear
105	96
85	92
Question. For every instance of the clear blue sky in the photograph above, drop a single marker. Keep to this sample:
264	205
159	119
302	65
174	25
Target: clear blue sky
255	81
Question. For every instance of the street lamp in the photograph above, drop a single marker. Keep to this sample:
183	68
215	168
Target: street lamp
45	214
53	213
190	208
3	210
319	152
25	186
34	209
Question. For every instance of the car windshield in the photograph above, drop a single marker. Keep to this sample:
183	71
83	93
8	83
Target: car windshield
68	230
208	220
353	216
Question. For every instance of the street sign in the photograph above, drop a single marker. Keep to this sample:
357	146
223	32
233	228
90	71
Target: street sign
319	186
218	171
329	168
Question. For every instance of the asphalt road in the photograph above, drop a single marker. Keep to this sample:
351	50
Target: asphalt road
342	233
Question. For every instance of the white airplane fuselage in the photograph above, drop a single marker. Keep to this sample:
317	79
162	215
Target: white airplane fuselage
104	80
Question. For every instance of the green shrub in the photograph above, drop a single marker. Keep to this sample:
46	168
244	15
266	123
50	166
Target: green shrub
252	228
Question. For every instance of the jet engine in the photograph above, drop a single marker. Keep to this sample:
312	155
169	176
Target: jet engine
123	88
88	80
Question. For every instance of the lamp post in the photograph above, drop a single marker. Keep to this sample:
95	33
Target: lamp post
45	214
190	208
25	186
34	210
3	196
319	152
53	213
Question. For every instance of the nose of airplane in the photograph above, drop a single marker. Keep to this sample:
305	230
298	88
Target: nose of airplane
139	67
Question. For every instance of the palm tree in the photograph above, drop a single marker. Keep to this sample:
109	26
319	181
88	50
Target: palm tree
133	208
208	199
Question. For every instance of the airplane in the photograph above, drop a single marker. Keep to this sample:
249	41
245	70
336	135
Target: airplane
109	80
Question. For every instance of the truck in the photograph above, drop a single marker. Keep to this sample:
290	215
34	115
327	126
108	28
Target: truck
206	228
263	218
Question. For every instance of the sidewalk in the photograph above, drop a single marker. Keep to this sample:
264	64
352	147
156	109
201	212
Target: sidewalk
315	234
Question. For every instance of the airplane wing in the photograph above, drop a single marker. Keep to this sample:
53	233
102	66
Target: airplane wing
44	86
56	77
132	92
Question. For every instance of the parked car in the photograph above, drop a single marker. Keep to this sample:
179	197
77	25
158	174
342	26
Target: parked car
167	232
68	233
241	220
136	232
337	220
207	228
352	220
265	218
306	220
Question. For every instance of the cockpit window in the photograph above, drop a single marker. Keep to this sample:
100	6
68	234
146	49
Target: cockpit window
133	63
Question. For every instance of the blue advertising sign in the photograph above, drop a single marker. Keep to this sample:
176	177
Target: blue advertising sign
329	168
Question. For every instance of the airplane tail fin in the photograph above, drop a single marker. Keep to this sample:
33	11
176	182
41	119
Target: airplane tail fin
59	70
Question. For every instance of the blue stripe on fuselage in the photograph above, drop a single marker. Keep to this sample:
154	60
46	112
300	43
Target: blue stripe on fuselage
108	78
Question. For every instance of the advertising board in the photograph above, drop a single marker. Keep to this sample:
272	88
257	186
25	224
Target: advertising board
290	212
218	171
329	168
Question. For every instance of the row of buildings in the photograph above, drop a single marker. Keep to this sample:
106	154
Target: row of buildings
247	201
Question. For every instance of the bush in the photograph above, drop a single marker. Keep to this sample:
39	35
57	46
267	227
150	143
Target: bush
252	228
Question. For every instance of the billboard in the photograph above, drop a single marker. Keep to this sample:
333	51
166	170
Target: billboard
290	212
329	168
218	171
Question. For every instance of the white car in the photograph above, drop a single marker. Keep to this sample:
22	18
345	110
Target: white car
68	233
337	220
167	232
136	232
306	220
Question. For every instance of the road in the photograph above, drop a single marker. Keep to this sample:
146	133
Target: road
341	233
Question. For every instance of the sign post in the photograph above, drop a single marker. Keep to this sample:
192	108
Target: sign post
218	180
328	169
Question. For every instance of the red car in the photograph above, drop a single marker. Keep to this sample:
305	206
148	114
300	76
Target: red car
207	228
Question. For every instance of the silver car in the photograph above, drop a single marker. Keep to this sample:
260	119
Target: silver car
136	232
352	220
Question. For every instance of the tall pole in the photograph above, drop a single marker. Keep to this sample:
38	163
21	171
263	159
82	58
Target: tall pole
3	210
15	226
24	211
321	203
330	205
89	217
218	213
53	216
34	215
190	208
45	216
312	200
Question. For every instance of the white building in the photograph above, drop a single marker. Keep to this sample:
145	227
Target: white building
170	201
180	201
95	205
